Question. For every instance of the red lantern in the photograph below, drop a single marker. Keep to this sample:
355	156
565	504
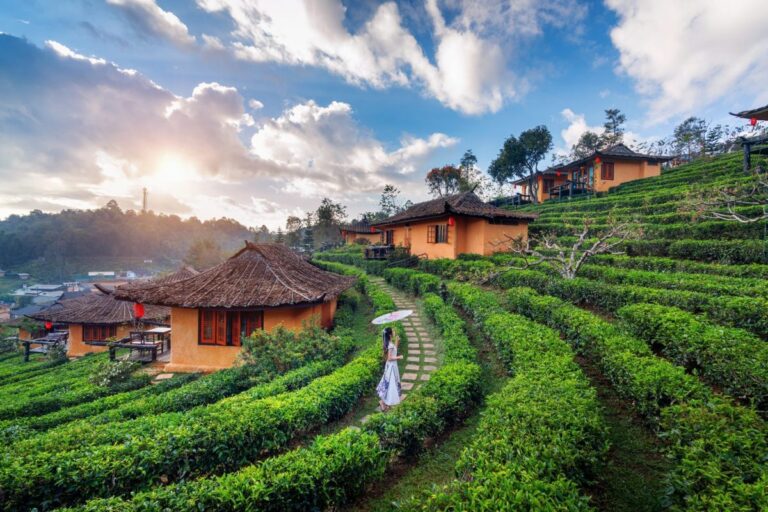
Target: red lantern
451	221
753	121
373	230
48	326
557	174
138	310
597	159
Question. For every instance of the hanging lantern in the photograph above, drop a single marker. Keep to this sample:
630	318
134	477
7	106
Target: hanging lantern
753	121
373	230
597	160
138	310
558	174
451	221
48	326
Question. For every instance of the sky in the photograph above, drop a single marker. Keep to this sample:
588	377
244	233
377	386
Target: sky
257	109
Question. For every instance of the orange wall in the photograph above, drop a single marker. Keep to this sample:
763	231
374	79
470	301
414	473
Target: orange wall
76	346
468	235
187	355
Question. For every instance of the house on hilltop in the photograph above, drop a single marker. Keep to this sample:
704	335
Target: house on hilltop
260	287
458	224
597	172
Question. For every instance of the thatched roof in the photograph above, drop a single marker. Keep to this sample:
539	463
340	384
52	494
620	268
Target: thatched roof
97	308
466	203
258	276
760	113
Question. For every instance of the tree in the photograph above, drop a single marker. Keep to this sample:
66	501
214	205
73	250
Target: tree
389	204
613	131
690	137
471	177
262	236
329	217
308	241
204	253
279	236
588	143
565	260
520	156
443	181
293	227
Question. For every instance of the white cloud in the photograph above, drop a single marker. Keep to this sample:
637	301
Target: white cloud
469	74
83	131
334	154
255	104
212	43
149	19
685	55
577	126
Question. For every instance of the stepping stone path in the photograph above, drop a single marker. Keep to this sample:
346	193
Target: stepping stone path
419	347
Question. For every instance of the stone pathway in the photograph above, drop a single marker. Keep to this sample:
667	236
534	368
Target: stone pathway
418	347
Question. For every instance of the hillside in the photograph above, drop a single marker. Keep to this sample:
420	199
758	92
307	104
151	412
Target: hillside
60	245
640	385
670	337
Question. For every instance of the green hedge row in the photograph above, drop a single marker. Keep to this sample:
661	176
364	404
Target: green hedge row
745	312
334	468
718	448
659	264
220	441
13	368
81	435
721	251
731	359
25	427
56	390
707	230
713	285
539	437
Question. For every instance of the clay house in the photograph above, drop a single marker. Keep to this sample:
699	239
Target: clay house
360	232
260	287
597	172
93	318
458	224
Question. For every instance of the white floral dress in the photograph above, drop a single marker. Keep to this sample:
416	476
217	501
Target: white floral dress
389	385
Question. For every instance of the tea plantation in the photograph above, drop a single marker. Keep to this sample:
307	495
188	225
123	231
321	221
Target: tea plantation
641	384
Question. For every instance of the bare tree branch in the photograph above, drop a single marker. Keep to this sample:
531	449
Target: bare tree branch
710	205
566	261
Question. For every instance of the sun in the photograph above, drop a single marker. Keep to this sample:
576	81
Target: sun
173	171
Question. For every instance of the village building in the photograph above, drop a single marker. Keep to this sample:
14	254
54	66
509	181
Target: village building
92	319
458	224
360	232
597	172
260	287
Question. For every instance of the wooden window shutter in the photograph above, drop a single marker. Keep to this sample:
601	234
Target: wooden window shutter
221	327
431	235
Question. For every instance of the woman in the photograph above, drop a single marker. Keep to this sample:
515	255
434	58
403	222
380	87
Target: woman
386	337
389	385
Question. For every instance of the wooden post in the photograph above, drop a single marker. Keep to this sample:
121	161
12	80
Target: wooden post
112	353
26	351
747	156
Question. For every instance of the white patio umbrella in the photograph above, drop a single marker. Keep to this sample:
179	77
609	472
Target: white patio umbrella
392	317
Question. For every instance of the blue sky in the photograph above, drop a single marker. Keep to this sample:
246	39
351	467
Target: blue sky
256	110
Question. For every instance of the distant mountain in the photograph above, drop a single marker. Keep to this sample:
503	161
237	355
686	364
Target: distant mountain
60	245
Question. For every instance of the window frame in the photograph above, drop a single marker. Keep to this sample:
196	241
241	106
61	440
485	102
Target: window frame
98	332
604	174
220	323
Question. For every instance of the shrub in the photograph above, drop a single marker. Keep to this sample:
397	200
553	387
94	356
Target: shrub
112	373
731	359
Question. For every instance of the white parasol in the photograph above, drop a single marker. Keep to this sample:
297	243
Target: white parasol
392	317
